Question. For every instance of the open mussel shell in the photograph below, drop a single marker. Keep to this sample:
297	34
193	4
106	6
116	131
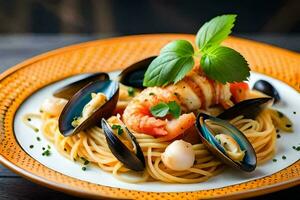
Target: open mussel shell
249	108
133	161
134	74
75	106
68	91
249	161
268	89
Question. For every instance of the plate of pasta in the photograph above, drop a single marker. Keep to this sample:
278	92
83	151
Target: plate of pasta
172	116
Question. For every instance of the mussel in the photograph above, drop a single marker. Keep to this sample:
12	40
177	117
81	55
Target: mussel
216	134
69	90
79	94
249	108
134	161
134	74
268	89
76	104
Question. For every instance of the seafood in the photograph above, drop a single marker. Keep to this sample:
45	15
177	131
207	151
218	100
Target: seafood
179	155
268	89
227	142
53	106
194	92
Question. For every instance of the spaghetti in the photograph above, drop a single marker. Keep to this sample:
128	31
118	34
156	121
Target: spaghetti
91	145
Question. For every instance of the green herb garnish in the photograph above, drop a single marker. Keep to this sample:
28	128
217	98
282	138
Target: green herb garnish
283	157
38	138
220	63
162	109
130	91
274	160
29	119
31	146
83	168
46	153
118	128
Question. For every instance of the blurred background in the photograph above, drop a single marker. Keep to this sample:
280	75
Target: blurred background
124	17
31	27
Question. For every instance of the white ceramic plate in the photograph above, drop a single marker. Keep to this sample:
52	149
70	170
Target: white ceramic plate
27	137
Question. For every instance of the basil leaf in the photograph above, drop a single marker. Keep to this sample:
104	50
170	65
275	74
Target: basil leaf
225	65
173	63
212	33
159	110
174	109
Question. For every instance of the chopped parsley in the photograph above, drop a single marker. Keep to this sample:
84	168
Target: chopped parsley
274	160
36	129
294	112
29	119
83	168
46	153
283	157
288	125
38	138
130	91
118	128
31	146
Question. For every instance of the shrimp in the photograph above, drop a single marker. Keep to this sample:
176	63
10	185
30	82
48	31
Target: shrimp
137	115
195	91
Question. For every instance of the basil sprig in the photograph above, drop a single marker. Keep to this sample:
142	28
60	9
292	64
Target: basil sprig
162	109
220	63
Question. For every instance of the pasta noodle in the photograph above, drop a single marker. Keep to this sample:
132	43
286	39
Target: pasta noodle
91	145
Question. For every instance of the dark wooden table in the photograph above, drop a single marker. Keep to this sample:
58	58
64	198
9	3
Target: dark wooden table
16	48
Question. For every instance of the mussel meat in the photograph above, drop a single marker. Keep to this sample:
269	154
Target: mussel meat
268	89
134	74
69	90
134	161
249	108
226	142
83	97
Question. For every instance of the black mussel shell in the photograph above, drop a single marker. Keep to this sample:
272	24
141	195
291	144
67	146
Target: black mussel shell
75	106
69	90
249	108
268	89
134	74
132	161
249	161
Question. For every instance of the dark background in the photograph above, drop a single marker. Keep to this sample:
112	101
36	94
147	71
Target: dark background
123	17
30	27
